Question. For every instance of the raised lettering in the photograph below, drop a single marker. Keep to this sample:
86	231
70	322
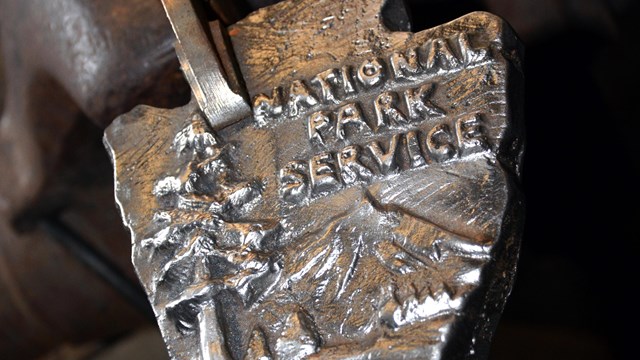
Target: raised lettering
395	129
467	54
371	73
351	170
349	116
387	113
318	126
436	54
323	173
470	136
267	108
405	66
419	104
327	81
294	182
385	159
410	155
300	97
347	84
440	143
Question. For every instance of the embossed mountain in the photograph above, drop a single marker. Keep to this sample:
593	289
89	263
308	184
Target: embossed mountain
368	209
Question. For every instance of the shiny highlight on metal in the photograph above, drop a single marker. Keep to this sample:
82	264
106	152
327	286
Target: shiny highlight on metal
368	208
220	101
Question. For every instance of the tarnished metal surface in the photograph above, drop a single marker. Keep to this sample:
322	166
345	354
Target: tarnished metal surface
368	209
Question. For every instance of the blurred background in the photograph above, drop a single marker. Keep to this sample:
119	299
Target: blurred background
68	67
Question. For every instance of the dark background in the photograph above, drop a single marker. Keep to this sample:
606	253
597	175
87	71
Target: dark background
574	296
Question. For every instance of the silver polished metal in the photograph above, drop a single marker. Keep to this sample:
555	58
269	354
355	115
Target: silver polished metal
220	101
368	209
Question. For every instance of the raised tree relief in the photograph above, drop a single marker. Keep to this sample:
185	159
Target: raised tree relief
368	209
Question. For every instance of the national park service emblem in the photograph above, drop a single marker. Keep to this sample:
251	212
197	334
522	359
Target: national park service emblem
369	208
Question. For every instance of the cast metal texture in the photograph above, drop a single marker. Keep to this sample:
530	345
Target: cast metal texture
369	208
